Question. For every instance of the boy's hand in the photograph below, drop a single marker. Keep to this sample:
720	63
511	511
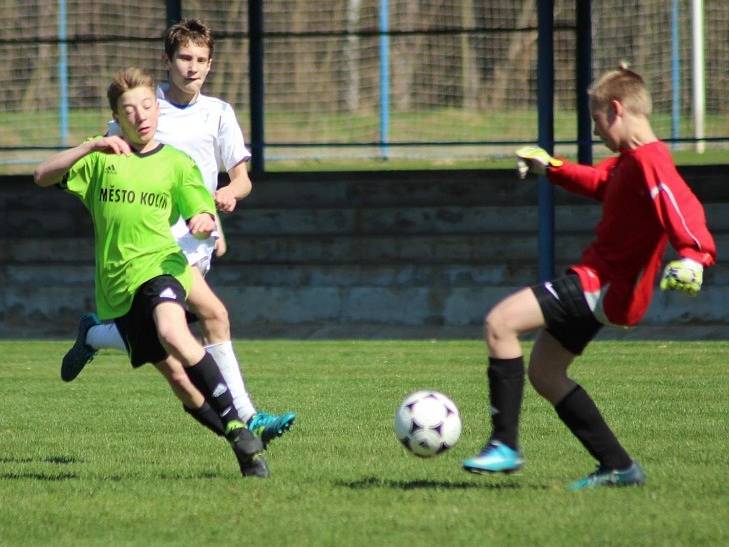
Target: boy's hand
111	145
225	199
202	225
534	159
221	247
683	275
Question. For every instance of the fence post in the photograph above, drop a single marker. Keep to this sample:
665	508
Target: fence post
675	73
545	99
173	12
384	17
62	73
699	84
584	77
255	61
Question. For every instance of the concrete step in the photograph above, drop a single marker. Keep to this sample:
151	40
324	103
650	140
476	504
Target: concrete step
276	275
405	220
57	308
485	249
384	221
434	188
381	189
65	222
317	249
427	220
332	275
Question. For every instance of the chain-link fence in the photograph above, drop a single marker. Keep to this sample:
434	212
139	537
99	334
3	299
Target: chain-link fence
430	80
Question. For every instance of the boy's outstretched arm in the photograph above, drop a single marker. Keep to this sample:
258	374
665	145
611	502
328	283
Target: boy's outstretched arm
239	187
533	159
585	180
51	171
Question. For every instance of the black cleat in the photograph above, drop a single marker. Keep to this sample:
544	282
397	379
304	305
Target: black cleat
80	353
247	448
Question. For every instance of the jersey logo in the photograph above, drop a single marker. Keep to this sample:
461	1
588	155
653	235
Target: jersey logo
110	169
550	288
168	293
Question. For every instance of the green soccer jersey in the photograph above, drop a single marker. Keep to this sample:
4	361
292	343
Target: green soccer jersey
132	200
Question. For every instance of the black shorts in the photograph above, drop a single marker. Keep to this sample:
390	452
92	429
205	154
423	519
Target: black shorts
566	313
137	327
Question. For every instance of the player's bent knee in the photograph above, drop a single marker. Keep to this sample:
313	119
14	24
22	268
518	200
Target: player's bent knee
174	339
216	326
496	328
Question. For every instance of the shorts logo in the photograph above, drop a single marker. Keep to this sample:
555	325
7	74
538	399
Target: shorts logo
550	288
168	293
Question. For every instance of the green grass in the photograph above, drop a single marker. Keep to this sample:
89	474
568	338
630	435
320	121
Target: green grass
110	459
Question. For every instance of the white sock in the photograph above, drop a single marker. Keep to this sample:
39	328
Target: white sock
228	364
105	336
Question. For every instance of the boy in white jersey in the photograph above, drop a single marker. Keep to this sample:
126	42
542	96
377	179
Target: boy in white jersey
206	128
132	187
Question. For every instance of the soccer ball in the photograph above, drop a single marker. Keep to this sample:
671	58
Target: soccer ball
427	423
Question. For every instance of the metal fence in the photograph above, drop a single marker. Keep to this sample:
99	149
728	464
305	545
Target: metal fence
425	80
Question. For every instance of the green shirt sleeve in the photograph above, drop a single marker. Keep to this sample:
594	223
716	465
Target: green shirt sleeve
79	179
190	196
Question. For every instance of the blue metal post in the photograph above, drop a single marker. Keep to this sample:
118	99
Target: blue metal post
675	72
173	11
384	77
584	77
62	73
255	60
545	99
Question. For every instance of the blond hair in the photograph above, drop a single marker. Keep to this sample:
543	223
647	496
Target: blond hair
192	31
622	85
126	79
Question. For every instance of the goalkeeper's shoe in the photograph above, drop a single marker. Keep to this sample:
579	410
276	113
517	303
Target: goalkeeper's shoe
495	457
535	159
269	426
247	449
685	275
80	353
603	476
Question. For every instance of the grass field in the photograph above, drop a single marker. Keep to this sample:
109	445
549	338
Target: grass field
110	459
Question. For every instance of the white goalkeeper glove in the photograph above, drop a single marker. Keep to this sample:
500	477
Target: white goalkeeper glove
685	275
534	159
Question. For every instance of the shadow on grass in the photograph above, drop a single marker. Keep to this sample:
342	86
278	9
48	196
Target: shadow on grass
375	482
21	475
61	460
67	460
40	475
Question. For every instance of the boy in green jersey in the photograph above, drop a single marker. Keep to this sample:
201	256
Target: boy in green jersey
133	188
207	130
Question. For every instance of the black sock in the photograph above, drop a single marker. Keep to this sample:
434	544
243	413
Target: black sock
207	417
506	387
207	378
580	414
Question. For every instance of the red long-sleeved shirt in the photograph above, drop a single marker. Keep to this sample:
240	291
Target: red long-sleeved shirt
646	204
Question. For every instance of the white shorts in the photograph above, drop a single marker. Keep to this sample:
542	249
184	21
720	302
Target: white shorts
199	252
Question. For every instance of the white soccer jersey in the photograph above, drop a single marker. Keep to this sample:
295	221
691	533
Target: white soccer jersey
208	131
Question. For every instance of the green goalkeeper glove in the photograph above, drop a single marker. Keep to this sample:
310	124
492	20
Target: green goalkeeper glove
534	159
683	275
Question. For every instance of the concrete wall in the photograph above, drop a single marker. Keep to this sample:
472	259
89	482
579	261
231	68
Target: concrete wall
332	250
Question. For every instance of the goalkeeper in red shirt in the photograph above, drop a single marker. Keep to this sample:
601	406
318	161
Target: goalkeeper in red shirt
645	205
